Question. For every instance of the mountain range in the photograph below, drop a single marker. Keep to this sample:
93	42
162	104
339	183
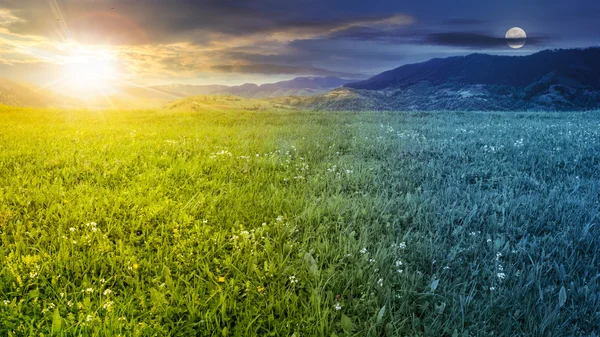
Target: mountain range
300	86
566	79
550	80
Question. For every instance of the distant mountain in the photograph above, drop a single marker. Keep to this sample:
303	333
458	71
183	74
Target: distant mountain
547	80
27	95
301	86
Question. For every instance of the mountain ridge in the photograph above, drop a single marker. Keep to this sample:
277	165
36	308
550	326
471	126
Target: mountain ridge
562	79
299	86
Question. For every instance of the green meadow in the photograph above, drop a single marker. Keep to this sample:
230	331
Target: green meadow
264	221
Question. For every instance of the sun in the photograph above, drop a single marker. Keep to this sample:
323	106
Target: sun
88	72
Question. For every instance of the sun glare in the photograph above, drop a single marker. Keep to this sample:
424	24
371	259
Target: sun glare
88	73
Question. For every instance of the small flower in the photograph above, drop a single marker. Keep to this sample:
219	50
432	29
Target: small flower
380	282
108	305
501	276
398	263
89	290
6	302
293	279
400	271
492	288
62	294
371	260
402	245
72	229
488	240
363	251
136	266
221	279
89	318
446	267
70	304
337	306
122	318
102	281
279	218
107	292
33	274
260	289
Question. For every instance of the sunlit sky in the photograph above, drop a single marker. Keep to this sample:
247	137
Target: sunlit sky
69	42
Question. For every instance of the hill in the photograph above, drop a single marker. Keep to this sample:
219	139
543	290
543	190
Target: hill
301	86
27	95
222	103
547	80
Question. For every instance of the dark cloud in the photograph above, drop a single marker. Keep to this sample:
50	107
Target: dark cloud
161	21
372	34
475	40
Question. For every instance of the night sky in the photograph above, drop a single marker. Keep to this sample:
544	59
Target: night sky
232	42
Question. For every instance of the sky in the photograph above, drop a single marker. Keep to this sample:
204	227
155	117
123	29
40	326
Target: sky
238	41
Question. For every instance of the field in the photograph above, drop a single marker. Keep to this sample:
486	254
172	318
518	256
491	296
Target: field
295	223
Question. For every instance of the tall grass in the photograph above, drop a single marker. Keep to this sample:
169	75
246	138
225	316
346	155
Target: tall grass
144	223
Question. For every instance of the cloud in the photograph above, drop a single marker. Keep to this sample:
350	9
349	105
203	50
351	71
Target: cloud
475	40
159	21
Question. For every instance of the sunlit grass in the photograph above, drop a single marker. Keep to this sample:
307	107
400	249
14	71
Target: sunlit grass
237	222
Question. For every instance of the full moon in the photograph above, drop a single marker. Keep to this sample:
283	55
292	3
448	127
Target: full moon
516	37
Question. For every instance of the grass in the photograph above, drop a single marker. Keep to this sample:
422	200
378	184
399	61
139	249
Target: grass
291	223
